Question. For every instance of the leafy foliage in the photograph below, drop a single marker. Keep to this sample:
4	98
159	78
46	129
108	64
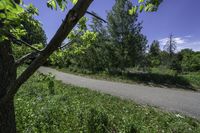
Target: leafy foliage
9	15
78	50
117	47
125	32
189	60
53	4
147	5
154	55
21	50
34	32
10	10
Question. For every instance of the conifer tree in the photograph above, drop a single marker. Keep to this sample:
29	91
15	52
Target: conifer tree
125	32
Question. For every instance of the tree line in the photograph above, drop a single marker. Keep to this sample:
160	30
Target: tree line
119	44
185	60
112	46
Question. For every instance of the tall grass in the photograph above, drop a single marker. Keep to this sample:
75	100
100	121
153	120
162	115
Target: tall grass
47	106
161	77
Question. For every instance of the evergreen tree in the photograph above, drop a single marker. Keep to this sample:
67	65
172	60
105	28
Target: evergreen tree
154	56
155	48
106	51
125	33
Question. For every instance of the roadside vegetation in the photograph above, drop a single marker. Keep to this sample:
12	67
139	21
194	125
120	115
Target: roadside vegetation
156	77
119	51
46	105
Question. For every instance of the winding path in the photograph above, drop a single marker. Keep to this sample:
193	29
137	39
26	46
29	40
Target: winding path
180	101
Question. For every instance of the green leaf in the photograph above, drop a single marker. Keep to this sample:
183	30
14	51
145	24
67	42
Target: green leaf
74	1
2	16
52	4
62	4
133	10
140	1
141	8
3	38
149	7
2	5
32	9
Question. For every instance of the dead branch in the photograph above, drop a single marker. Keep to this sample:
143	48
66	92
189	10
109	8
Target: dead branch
94	15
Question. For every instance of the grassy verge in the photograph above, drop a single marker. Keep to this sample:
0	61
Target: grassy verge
193	78
47	106
157	77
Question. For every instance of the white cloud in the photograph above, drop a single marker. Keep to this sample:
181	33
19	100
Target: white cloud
183	43
195	45
178	40
163	41
188	36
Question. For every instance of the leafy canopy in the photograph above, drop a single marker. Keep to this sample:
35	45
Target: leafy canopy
10	11
147	5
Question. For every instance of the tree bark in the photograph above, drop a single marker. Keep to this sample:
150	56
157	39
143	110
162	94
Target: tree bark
7	76
7	117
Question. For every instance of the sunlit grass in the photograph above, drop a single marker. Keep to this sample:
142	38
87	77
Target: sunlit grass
74	109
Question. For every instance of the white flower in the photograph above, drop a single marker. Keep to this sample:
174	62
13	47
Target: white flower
179	116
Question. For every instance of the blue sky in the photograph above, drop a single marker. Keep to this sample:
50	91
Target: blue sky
178	17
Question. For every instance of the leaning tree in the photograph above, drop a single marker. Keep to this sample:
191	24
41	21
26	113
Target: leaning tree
10	83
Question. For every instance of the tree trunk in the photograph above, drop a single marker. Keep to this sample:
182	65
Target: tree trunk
7	76
7	117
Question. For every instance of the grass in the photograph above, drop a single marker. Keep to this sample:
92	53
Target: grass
47	106
156	77
193	78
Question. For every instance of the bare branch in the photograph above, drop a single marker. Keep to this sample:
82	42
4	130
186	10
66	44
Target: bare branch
72	18
94	15
18	41
20	61
25	43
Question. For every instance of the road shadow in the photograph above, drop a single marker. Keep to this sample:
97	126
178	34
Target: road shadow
161	80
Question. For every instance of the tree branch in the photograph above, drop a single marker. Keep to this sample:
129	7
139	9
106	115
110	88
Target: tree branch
69	43
94	15
25	43
72	18
18	41
20	61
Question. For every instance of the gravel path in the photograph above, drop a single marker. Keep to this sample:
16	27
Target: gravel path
180	101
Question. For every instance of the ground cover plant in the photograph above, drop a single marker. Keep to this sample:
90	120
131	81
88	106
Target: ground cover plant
160	77
48	106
